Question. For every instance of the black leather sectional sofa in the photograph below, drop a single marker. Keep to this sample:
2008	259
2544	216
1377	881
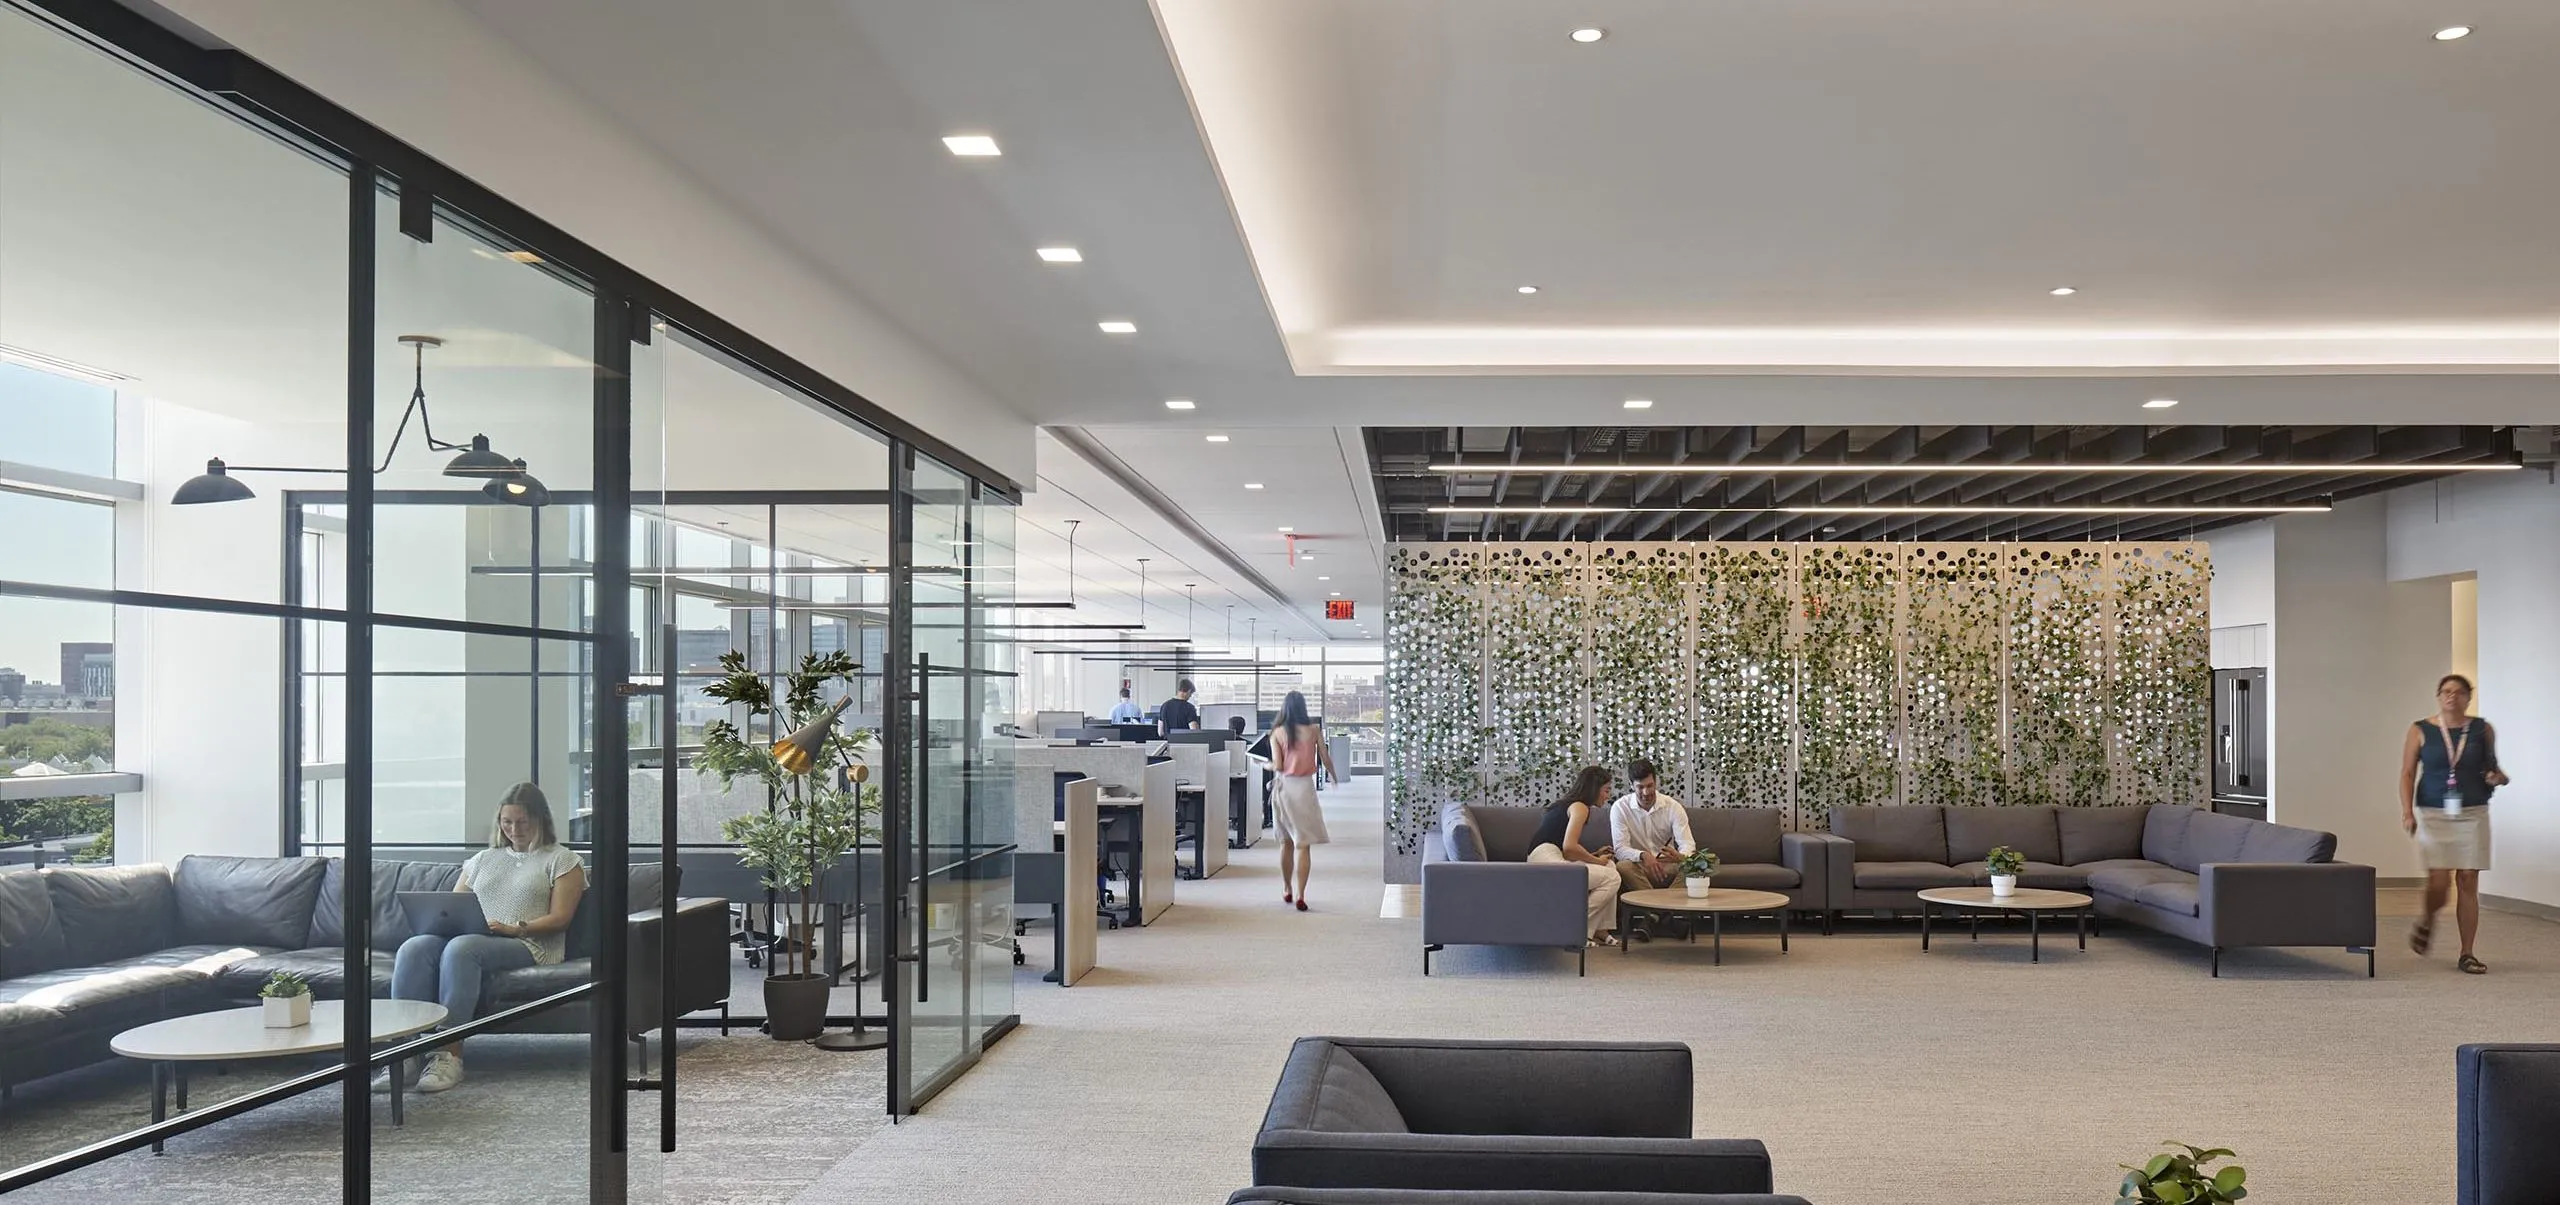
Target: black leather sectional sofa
86	953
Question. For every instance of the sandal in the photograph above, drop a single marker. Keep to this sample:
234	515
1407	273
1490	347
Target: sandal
2471	966
1604	939
2420	936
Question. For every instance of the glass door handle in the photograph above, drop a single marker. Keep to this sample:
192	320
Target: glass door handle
922	779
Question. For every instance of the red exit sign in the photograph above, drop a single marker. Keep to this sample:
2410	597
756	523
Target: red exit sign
1337	608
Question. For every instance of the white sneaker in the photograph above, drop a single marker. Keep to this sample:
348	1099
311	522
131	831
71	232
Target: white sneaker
444	1071
382	1078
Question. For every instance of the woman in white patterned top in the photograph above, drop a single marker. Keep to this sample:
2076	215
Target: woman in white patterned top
528	886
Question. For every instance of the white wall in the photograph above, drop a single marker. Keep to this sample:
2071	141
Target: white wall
2501	529
438	79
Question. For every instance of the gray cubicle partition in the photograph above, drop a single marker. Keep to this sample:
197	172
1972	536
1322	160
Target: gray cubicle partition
1248	772
1155	822
1213	813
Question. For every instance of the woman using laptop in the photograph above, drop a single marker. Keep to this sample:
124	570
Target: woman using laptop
528	886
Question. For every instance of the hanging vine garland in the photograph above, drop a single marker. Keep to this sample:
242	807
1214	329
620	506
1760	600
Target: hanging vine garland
1536	627
1849	724
1639	659
2160	692
1435	668
1742	742
2057	677
1958	612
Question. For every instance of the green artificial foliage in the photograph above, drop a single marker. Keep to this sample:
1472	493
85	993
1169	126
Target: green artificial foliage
1639	679
1849	707
1743	733
810	822
1535	631
2057	663
1435	661
2003	860
284	985
1952	682
1699	865
2184	1179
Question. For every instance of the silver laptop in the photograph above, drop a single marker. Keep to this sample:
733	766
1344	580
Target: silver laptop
443	913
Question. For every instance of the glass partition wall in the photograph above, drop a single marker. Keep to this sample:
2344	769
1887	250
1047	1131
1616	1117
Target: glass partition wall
372	537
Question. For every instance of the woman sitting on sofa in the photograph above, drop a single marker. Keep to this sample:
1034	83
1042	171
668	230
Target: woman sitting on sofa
528	886
1560	840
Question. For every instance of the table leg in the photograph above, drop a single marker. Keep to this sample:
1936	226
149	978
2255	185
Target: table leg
1782	930
2084	928
1057	944
1719	920
399	1114
1924	926
159	1099
181	1073
1626	921
2035	952
1973	921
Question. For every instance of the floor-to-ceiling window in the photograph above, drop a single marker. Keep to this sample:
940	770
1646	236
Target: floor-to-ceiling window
350	512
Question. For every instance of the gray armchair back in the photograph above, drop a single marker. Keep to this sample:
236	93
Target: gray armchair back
1281	1195
2506	1110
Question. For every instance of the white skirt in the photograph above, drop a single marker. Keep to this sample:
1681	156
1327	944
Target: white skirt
2453	842
1295	813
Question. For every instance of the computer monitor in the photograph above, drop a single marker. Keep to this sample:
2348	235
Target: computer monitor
1051	721
1216	739
1137	732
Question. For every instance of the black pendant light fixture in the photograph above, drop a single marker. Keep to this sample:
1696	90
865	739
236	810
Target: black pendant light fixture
474	460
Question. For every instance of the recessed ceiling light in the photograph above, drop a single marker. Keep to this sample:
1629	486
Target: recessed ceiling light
1528	288
1306	556
1062	255
1638	403
2451	32
1588	35
2064	291
1333	594
973	146
1288	529
1179	404
1217	439
1253	485
1324	579
1118	326
2160	403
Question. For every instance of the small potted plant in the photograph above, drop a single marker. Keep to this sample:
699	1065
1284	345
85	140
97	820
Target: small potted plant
1697	871
286	999
2182	1179
2005	863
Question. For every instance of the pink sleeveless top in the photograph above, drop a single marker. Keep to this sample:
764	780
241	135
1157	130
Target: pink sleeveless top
1295	759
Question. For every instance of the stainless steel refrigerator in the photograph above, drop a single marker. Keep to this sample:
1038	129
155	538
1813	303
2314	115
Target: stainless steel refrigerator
2240	742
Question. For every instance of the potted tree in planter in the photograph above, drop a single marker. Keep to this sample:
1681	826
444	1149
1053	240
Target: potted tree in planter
2182	1179
285	999
2004	864
809	823
1697	871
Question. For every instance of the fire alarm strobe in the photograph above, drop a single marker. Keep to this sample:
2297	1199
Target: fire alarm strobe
1337	608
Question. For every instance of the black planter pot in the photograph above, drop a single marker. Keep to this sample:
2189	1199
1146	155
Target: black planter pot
795	1006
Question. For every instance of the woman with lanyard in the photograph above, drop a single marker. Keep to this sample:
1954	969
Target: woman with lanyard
2448	768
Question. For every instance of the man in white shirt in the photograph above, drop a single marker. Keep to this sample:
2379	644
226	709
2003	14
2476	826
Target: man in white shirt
1127	712
1651	831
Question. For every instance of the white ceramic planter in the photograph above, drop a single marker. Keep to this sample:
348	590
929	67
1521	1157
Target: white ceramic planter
2004	884
1697	886
287	1012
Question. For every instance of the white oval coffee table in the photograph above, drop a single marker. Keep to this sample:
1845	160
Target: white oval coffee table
2034	901
241	1034
1717	902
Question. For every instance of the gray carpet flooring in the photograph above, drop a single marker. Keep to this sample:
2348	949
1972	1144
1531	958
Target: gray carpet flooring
1875	1073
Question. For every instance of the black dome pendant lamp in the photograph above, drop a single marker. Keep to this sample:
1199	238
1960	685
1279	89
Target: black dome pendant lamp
473	460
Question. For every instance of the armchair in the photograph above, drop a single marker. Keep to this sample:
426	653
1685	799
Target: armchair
2506	1108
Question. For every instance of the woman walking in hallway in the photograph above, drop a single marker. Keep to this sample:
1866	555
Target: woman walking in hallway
1297	750
1560	840
2448	769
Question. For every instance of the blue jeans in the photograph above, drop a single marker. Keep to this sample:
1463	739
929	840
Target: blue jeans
448	970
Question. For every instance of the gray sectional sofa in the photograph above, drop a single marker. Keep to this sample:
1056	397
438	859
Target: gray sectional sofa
87	953
1477	891
2220	881
2506	1109
1429	1115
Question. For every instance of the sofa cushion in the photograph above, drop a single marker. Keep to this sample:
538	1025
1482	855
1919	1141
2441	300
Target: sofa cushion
2086	869
390	923
112	912
1737	834
30	937
2266	842
1897	876
2100	834
2033	874
1350	1100
1507	832
98	994
2164	836
27	1023
246	901
1971	832
1459	837
2171	895
1757	876
521	984
645	884
2127	883
324	967
2214	837
1894	834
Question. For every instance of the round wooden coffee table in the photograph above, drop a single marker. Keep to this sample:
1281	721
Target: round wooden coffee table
1664	901
241	1034
2034	901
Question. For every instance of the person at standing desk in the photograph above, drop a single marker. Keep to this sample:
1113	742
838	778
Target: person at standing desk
1127	712
1177	712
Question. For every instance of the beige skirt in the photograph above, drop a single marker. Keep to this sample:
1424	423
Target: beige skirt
1295	814
2454	842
